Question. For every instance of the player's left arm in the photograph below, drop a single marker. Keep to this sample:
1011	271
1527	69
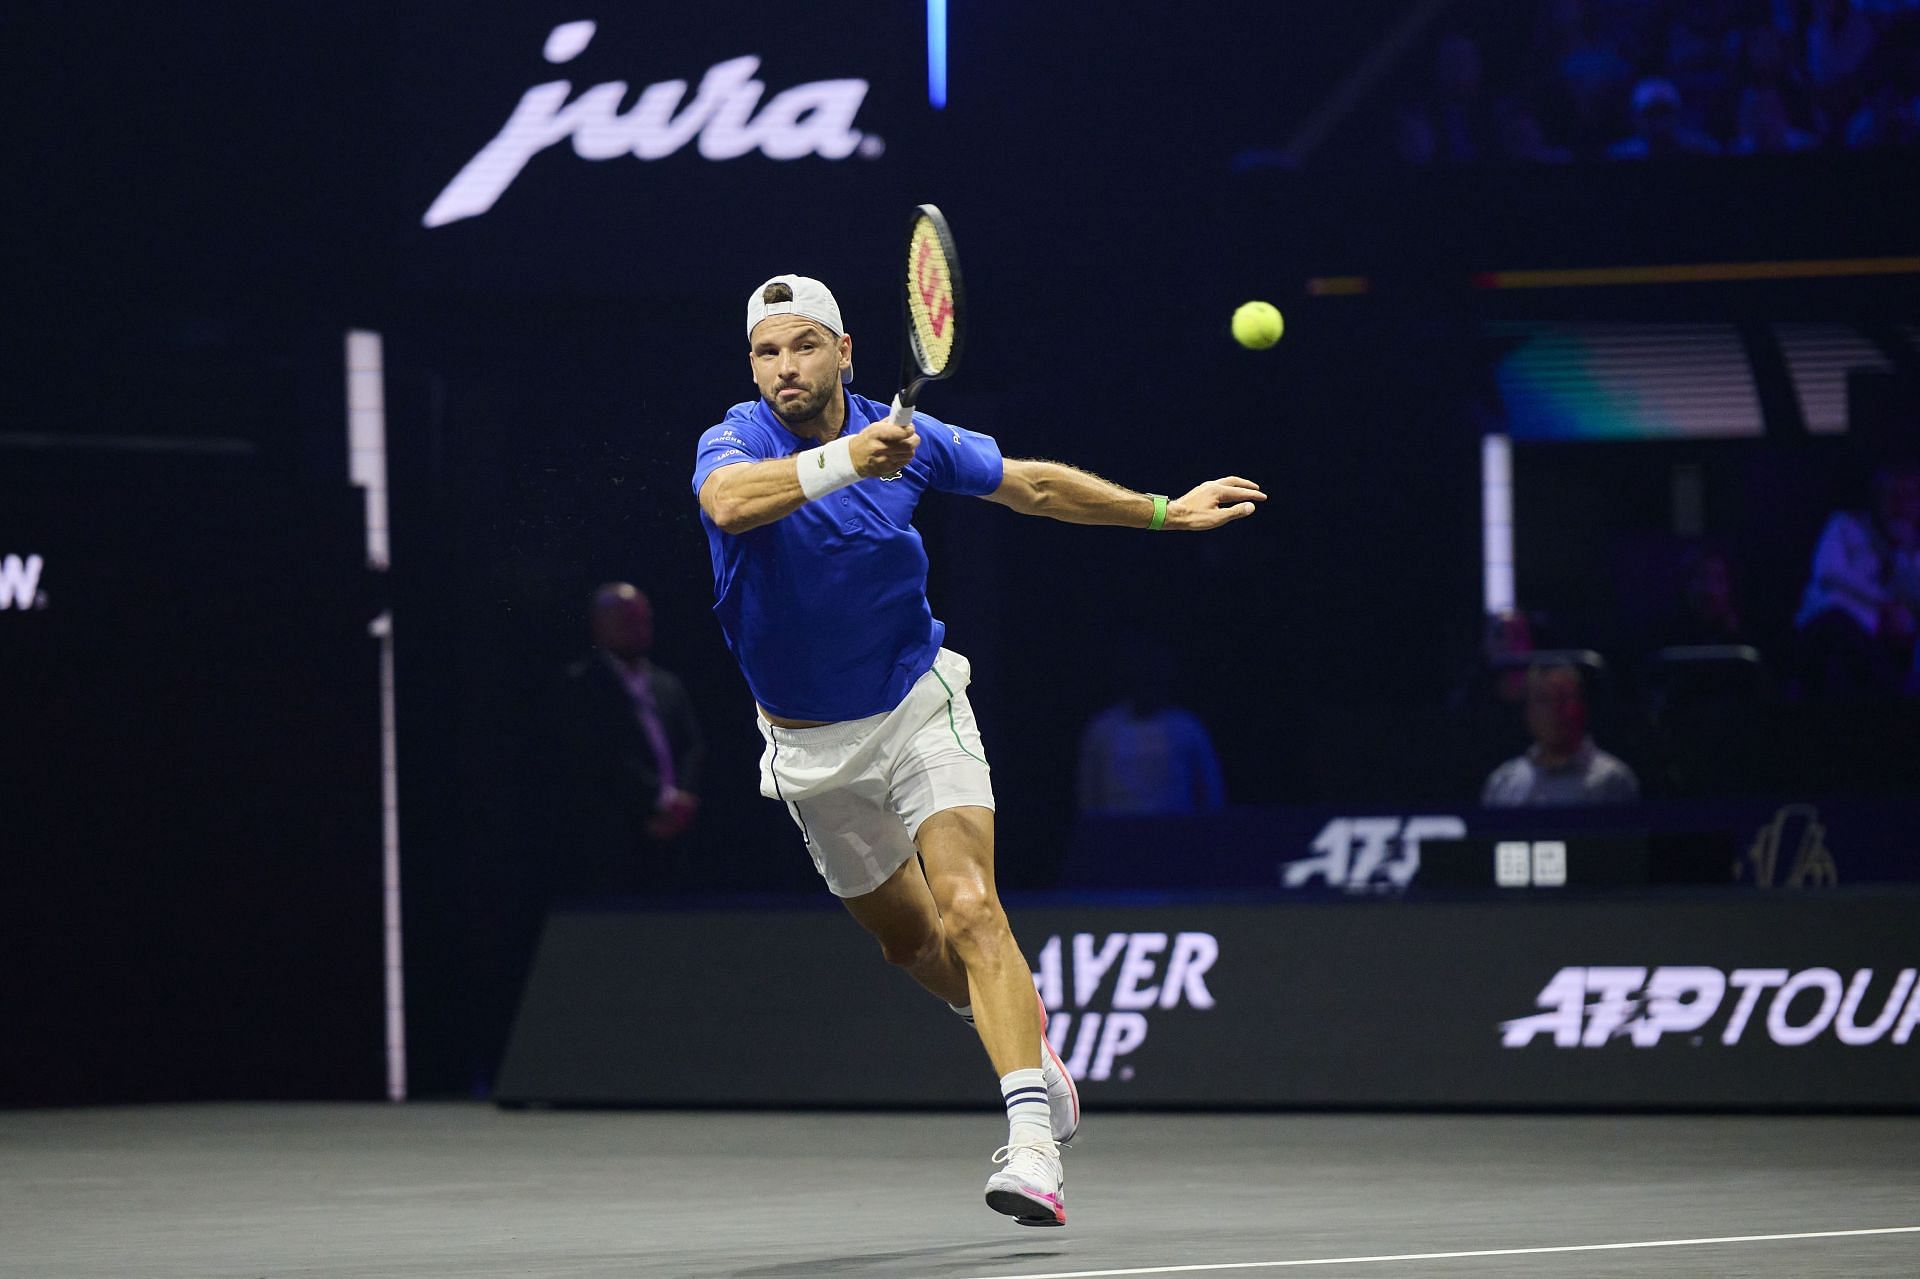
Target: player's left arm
1069	494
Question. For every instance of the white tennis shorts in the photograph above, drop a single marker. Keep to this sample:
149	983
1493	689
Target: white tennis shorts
859	789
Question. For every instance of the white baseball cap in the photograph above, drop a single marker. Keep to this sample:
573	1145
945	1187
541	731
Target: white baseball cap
812	300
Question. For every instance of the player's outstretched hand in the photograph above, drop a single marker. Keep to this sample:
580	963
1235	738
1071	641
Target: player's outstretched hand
1214	503
883	448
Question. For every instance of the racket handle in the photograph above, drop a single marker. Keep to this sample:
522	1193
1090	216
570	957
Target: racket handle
902	413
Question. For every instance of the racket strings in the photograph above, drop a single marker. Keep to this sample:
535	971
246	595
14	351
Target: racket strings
930	298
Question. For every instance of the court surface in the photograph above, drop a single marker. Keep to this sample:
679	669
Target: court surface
429	1190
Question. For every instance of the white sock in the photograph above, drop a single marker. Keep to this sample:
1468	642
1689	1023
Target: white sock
1029	1121
963	1011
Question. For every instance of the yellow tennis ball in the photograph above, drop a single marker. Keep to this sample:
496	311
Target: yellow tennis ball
1257	325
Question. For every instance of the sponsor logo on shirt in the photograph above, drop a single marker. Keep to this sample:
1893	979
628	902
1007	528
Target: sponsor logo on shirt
1093	1023
1594	1007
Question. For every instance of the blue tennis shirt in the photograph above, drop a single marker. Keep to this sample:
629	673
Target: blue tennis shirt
826	610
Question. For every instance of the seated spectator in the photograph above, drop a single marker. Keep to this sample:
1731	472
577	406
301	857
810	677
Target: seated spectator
1857	619
1889	117
1144	755
1764	129
1577	71
1523	141
1563	768
1767	60
1840	39
1659	130
1453	126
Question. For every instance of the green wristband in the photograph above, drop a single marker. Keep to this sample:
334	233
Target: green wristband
1159	520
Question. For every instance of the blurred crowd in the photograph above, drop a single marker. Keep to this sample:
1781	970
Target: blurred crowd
1565	80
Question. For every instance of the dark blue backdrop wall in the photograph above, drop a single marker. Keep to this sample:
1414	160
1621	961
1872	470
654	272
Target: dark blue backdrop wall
212	199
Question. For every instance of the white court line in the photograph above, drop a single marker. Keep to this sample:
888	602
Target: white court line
1451	1256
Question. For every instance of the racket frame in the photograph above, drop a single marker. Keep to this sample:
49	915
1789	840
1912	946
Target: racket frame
914	374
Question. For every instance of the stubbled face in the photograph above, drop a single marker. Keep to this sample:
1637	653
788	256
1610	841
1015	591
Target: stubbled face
1556	710
796	365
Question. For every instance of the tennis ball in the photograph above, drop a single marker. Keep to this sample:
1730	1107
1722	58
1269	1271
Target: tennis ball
1257	325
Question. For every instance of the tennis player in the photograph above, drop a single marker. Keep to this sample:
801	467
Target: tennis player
807	495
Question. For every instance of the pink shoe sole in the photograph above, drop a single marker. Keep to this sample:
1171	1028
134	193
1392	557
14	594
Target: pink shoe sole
1028	1209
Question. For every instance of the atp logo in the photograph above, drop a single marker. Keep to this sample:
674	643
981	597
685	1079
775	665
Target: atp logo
1369	854
721	120
1593	1007
20	582
1092	1030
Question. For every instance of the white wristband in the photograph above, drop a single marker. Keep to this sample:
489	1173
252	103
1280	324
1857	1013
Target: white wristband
827	468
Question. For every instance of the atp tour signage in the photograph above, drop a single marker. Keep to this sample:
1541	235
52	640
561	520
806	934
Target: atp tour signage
1730	998
1594	1007
724	118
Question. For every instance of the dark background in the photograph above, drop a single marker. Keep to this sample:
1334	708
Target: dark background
205	202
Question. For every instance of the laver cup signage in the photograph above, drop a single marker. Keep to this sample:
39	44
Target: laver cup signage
1726	999
1099	992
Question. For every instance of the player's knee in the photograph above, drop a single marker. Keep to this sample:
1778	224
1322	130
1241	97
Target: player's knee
974	922
912	950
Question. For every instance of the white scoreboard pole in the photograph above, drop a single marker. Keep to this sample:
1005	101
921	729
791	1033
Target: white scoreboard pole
367	469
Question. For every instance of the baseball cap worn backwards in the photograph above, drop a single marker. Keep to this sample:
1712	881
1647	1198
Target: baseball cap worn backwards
812	300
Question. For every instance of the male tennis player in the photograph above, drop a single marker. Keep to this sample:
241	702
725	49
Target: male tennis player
807	495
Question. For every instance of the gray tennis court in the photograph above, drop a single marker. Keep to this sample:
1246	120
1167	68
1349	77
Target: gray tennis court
221	1192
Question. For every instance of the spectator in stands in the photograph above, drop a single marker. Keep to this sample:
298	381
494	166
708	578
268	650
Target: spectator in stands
1857	619
1889	114
1563	767
1659	129
1766	76
1454	126
1523	140
633	751
1840	39
1579	71
1702	46
1767	61
1764	128
1144	755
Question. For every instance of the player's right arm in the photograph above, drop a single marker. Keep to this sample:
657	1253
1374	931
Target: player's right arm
745	495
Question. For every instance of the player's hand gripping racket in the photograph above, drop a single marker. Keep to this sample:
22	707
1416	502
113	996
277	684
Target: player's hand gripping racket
934	309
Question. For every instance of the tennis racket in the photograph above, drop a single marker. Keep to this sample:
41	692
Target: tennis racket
934	307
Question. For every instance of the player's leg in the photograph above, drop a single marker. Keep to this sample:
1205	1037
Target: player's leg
963	842
956	846
837	797
902	918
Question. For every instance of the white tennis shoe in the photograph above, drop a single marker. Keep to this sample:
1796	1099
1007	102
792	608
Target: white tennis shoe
1063	1099
1031	1188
